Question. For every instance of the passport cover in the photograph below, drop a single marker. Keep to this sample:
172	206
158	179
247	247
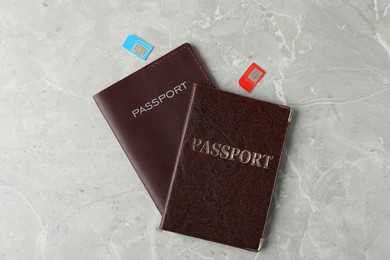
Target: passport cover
226	168
146	111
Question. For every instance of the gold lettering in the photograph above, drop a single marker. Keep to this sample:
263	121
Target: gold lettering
195	143
231	153
256	158
242	156
224	151
205	147
267	159
234	152
215	148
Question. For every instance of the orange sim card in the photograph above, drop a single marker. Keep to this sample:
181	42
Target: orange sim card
251	77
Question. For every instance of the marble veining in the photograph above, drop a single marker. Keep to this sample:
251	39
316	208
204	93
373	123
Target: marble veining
67	191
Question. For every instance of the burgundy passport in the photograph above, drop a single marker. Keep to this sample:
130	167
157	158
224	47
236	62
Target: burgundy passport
226	168
146	111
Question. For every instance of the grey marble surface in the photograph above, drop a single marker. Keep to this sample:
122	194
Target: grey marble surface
67	191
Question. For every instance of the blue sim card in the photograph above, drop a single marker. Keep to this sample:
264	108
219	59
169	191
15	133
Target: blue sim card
137	46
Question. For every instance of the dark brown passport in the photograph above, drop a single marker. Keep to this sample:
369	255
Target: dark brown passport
146	111
226	168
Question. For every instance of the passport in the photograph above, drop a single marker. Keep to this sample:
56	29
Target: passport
226	168
146	111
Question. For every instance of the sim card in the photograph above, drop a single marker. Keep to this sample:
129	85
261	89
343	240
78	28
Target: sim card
251	77
137	46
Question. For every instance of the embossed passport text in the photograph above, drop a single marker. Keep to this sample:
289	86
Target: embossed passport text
146	111
226	168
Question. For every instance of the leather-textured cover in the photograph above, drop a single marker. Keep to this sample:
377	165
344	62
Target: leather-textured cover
223	200
150	137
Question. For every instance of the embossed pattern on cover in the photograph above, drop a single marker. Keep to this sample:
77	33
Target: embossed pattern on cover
226	168
146	111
